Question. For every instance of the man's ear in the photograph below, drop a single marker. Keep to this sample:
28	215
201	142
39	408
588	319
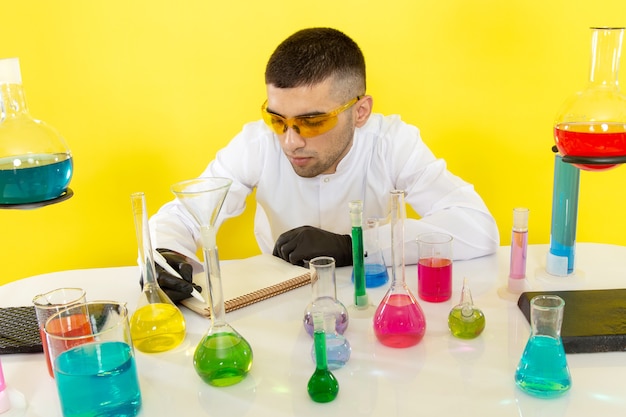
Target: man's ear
363	110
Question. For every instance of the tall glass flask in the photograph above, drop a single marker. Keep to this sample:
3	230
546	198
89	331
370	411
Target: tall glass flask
590	127
35	163
399	320
324	295
223	357
542	371
157	325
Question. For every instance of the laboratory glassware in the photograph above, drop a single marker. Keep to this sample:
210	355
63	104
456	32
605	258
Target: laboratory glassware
324	295
434	267
561	259
157	325
542	370
465	320
223	357
590	126
361	300
36	165
95	371
376	274
399	320
338	347
322	386
519	248
50	303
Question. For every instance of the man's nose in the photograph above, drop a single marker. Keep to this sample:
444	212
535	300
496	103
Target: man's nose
292	138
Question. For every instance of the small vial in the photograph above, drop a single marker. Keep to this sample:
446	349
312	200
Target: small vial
519	247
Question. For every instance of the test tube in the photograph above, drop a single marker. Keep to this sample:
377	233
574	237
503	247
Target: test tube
519	247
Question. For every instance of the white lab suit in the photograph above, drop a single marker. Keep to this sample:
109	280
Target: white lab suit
387	154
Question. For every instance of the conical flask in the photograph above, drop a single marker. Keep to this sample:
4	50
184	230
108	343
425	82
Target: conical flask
399	320
157	325
324	295
376	274
223	357
35	163
590	127
542	371
465	320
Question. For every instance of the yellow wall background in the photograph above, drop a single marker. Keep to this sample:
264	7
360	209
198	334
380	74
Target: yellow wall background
146	91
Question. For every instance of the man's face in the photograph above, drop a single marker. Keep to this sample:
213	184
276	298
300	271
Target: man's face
320	154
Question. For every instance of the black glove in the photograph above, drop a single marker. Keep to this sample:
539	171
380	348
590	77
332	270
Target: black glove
176	289
307	242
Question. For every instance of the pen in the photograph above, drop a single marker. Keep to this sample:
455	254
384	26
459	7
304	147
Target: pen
159	259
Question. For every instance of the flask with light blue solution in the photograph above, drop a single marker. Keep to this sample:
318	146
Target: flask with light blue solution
542	371
376	274
337	346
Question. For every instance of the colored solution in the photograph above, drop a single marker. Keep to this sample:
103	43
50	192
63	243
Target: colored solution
376	275
358	269
543	370
69	326
434	279
337	351
399	322
33	178
466	323
157	327
591	139
223	359
98	379
328	305
322	386
519	246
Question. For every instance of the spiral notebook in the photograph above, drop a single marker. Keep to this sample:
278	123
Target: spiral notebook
250	280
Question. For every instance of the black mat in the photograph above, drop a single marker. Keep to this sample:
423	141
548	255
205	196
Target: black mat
19	331
593	320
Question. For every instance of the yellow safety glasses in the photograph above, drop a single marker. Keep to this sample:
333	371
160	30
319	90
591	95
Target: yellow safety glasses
305	126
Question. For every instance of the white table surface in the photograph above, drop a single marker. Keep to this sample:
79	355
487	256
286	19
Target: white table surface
441	375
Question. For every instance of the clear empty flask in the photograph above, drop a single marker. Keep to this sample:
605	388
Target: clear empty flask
223	357
324	295
399	320
157	325
542	371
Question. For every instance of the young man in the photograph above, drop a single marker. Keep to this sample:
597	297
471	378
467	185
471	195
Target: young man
318	147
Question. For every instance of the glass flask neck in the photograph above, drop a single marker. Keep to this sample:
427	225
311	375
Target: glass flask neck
12	102
398	210
323	282
546	316
606	46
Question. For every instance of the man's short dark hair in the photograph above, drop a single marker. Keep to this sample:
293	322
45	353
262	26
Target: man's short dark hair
312	55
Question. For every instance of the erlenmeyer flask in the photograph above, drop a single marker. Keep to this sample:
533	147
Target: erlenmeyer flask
399	320
157	325
542	371
223	357
376	274
35	163
590	127
465	320
324	295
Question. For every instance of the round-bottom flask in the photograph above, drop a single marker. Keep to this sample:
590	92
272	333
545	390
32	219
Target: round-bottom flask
222	357
324	290
337	346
